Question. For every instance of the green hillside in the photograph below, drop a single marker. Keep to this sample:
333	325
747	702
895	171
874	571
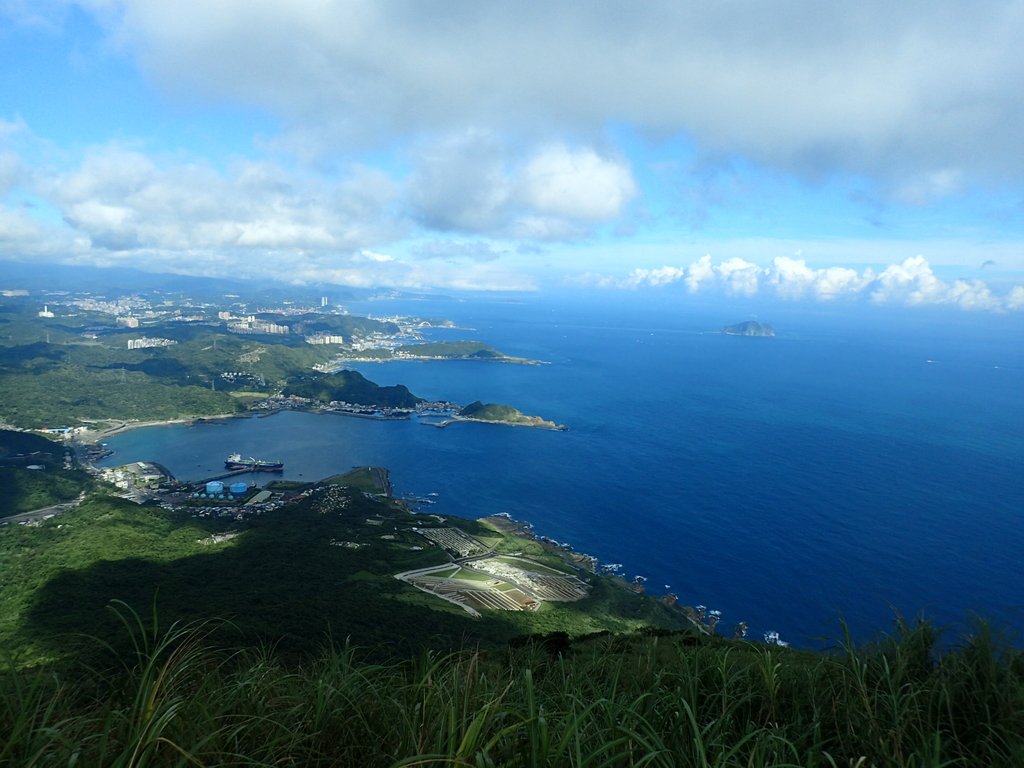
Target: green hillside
504	414
351	387
325	563
490	412
26	489
67	394
140	636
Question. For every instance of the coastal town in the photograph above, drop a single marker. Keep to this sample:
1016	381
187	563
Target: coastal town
255	355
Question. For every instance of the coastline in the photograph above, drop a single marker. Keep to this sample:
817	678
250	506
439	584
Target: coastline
90	435
549	425
582	562
428	359
575	559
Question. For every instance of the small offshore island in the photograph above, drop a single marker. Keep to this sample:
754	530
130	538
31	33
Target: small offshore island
492	413
749	328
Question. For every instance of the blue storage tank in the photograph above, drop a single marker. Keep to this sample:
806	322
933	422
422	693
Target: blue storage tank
215	487
239	488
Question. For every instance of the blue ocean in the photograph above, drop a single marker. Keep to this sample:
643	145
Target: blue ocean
864	463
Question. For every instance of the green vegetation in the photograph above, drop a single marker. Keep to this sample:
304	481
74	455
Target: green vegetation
366	479
468	574
458	350
349	326
504	414
133	637
287	579
59	372
21	448
350	387
490	412
468	350
98	532
27	489
175	699
63	371
67	395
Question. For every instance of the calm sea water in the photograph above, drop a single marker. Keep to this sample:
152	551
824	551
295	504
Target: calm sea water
859	464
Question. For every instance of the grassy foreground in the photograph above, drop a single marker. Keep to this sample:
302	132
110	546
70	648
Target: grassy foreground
643	700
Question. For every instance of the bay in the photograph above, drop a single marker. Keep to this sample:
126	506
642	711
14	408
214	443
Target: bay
860	464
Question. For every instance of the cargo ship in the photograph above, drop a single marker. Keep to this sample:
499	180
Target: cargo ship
235	461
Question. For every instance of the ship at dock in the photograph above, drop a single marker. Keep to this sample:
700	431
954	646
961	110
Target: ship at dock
235	461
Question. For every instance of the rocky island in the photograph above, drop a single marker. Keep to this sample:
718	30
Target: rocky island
499	414
749	328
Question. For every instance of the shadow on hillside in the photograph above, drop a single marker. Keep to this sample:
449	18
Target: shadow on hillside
280	582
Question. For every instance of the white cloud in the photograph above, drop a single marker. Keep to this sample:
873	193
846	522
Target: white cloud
476	250
118	206
9	128
912	282
461	183
475	183
18	231
654	277
792	278
123	200
369	257
576	184
12	171
923	188
701	271
739	276
927	97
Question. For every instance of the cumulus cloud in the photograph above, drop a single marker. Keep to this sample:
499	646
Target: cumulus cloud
701	271
792	278
899	90
473	182
912	282
120	206
123	200
654	277
739	276
576	184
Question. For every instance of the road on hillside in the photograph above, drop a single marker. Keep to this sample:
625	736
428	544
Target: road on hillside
43	513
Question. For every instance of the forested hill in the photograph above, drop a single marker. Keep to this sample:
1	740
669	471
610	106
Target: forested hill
350	387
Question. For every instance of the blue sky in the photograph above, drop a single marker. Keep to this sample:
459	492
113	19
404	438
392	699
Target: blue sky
796	149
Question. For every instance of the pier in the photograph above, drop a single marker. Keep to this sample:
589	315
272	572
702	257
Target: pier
224	475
